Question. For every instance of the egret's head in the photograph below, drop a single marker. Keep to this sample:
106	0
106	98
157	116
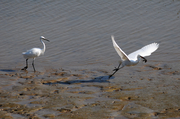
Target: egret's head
139	56
43	38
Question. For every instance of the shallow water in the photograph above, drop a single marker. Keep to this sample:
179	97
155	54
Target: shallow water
80	45
80	31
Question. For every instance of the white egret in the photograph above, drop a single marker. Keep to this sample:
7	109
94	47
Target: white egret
33	53
134	57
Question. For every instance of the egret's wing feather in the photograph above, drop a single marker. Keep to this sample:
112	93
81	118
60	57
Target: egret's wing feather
144	51
118	50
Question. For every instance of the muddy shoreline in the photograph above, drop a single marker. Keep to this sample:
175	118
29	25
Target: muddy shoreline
83	93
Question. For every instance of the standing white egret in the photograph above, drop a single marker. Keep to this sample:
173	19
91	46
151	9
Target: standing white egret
33	53
134	57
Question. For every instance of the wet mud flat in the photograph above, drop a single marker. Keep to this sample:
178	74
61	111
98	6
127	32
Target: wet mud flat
84	93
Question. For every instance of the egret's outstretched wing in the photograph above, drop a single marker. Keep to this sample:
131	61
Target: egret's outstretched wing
144	51
118	50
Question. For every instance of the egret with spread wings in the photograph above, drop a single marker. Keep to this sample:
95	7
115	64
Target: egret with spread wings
134	57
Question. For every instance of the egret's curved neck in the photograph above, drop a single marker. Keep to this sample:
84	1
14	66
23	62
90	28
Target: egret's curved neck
44	46
134	62
138	58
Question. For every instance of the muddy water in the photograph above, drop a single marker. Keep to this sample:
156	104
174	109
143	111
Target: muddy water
72	75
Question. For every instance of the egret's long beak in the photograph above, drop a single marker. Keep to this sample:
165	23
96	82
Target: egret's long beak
144	59
46	39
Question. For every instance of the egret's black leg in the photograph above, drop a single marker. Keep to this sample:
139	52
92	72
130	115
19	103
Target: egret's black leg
33	65
117	67
144	59
115	70
26	65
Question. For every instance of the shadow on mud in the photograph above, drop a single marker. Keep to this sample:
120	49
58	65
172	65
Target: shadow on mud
100	79
7	70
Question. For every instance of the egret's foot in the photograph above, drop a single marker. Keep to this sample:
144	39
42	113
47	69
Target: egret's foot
115	70
24	68
110	76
